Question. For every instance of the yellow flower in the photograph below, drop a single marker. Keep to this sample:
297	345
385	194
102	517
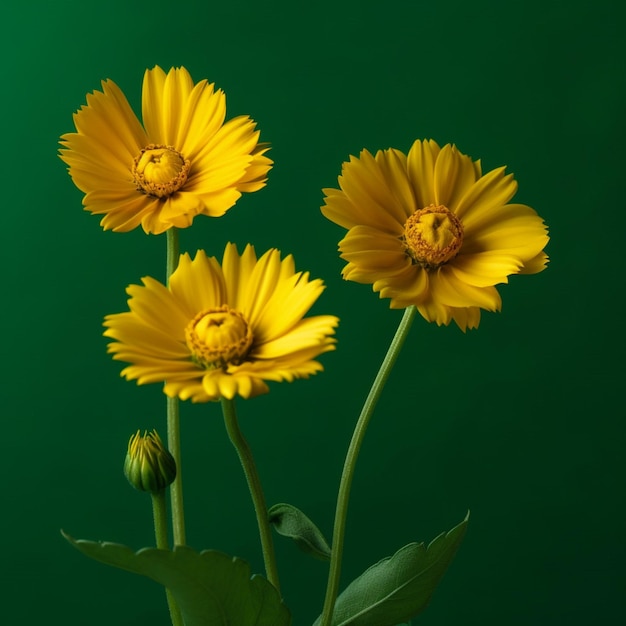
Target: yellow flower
429	229
218	331
184	161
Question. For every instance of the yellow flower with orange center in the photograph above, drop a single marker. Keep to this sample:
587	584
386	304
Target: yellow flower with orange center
429	229
182	162
222	330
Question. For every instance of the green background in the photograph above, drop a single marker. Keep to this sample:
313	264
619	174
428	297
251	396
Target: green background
521	421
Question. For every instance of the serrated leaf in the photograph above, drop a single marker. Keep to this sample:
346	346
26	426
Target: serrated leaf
397	588
210	587
293	523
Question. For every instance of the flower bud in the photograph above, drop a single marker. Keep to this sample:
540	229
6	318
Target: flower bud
149	466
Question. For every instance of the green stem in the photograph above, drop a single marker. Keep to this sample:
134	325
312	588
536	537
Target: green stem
176	489
254	485
173	252
341	512
173	417
159	513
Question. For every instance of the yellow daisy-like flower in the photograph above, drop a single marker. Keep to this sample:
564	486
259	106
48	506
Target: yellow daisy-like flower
429	229
218	331
182	162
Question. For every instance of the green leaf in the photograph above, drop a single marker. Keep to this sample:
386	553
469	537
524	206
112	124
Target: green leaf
211	588
398	587
291	522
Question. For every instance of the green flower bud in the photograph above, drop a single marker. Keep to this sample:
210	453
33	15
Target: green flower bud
149	466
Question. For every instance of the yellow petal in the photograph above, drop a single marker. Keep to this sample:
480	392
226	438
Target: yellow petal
467	317
412	287
197	285
454	174
488	193
536	264
485	269
393	167
421	168
451	291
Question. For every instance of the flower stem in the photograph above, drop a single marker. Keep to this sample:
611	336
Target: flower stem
173	252
254	485
176	489
358	435
159	513
173	417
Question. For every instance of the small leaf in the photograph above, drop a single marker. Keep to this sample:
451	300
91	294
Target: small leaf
398	587
291	522
211	588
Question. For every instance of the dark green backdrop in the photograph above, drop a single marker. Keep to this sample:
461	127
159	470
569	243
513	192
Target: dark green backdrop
521	421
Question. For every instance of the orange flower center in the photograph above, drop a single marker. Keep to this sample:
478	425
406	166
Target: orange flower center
218	337
160	170
433	236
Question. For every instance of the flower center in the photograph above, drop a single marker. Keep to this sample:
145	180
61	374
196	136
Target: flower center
160	170
433	236
218	337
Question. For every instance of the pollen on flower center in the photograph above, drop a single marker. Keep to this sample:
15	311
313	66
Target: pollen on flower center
160	170
218	337
433	236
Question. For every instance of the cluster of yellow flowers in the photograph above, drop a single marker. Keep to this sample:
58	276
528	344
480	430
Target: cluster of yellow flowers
426	229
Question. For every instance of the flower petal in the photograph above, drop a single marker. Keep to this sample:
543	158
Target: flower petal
421	167
197	285
446	288
488	193
485	269
454	174
363	199
514	228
